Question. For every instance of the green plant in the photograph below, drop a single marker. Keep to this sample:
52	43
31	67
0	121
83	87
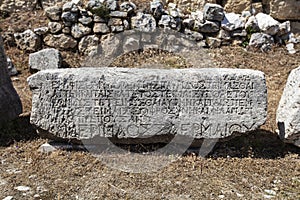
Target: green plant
101	11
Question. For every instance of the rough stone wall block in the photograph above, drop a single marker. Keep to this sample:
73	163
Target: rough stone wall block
288	112
10	103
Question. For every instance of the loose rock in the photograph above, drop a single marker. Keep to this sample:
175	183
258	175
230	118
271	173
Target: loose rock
61	41
28	41
10	103
45	59
288	112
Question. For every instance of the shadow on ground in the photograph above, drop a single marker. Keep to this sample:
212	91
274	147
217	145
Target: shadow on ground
256	144
17	130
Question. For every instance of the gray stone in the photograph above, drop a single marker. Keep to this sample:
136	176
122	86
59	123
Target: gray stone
143	22
193	35
101	28
53	13
252	25
28	41
112	4
69	18
61	41
213	12
68	6
128	7
99	19
213	42
157	9
89	45
45	59
79	30
209	27
41	30
10	103
111	45
85	20
267	24
118	14
288	112
12	71
54	27
66	30
188	23
232	22
137	103
284	28
198	16
115	22
261	41
131	43
116	29
291	48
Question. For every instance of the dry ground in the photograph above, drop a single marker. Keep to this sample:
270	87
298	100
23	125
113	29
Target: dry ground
246	167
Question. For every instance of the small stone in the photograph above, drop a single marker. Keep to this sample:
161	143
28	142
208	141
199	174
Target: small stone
99	19
157	9
68	6
54	27
118	14
112	5
85	20
8	198
12	71
41	30
22	188
28	41
213	42
115	22
213	12
290	48
128	7
284	28
61	41
267	24
66	30
261	41
45	59
131	43
89	45
252	25
193	35
53	13
116	29
46	148
79	30
270	192
209	27
101	28
143	22
232	22
111	45
69	18
198	16
188	23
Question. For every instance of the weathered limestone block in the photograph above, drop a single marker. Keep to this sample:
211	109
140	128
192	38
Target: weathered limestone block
285	9
45	59
137	103
288	112
10	103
